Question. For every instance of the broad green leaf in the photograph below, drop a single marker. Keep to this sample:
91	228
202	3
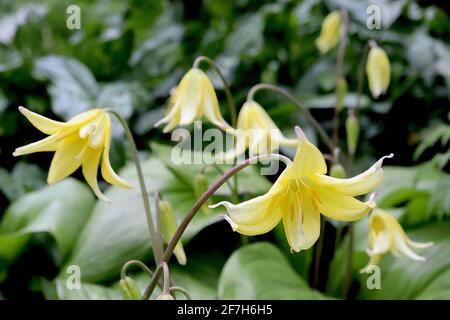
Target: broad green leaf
260	271
59	210
24	178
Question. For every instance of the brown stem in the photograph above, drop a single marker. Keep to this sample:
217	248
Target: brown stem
197	205
348	273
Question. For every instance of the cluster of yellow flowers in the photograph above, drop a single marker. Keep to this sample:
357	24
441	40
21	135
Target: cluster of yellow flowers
299	196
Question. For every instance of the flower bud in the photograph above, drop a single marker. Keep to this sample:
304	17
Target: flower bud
330	33
338	171
165	297
352	128
378	71
129	289
341	89
200	186
168	228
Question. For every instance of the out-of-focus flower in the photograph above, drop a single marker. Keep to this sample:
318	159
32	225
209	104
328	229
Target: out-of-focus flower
257	132
84	141
387	235
331	32
168	228
193	98
300	194
352	130
378	69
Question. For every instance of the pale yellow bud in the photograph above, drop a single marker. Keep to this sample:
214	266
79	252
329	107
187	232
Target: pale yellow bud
352	129
378	69
165	297
168	228
330	33
129	289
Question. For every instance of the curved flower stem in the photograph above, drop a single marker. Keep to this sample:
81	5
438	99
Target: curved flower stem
348	271
226	86
266	86
140	264
182	290
157	246
198	204
231	102
339	71
360	81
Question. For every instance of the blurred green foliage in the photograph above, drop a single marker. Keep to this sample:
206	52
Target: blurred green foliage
129	54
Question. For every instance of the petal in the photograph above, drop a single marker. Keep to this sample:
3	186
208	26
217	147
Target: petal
42	123
84	117
301	222
402	247
256	216
48	144
360	184
65	160
91	161
341	207
107	171
419	245
308	160
380	234
190	92
211	109
239	148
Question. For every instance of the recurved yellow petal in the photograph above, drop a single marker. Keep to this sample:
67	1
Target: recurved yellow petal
90	164
42	123
360	184
44	145
65	160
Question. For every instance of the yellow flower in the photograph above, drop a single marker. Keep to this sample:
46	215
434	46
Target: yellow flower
193	98
257	131
82	141
378	71
300	194
168	226
330	33
386	234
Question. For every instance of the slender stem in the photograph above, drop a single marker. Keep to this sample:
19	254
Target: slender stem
231	103
198	204
156	243
348	273
360	80
182	290
339	71
166	278
266	86
140	264
318	254
158	216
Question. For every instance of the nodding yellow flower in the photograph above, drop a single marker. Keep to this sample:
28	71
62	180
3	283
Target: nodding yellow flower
193	98
378	69
330	33
386	234
300	194
257	132
82	141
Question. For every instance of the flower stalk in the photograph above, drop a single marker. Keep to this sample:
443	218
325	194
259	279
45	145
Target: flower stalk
197	205
156	243
266	86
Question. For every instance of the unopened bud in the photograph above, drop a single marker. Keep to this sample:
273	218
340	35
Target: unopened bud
129	289
338	171
378	69
341	89
352	128
330	33
168	228
165	297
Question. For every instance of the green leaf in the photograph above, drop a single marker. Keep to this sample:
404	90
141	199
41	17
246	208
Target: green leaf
118	232
260	271
23	178
59	210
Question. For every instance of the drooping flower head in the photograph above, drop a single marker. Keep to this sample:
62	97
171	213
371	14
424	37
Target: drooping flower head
301	194
193	98
84	141
257	131
387	235
378	69
330	33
